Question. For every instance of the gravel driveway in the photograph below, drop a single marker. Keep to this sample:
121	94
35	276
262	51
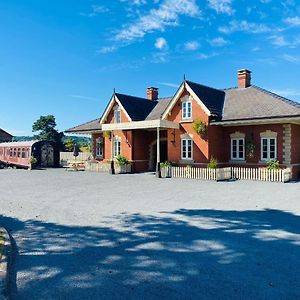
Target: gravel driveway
80	235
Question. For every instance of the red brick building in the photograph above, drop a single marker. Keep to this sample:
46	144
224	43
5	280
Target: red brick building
243	126
5	136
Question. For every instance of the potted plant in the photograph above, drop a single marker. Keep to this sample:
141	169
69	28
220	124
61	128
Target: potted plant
200	127
33	161
166	168
122	162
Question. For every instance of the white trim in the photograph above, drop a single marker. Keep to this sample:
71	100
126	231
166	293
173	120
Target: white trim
177	97
100	141
117	111
140	125
268	148
186	102
110	106
238	139
114	141
289	120
186	151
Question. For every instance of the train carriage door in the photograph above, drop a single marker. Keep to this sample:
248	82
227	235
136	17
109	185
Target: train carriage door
47	155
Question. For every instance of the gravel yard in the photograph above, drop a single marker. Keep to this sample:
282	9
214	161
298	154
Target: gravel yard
81	235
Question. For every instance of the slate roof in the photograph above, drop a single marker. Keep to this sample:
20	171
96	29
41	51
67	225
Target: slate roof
88	127
212	98
159	109
256	103
5	133
137	108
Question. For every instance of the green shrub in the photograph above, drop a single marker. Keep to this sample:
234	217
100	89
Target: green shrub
273	164
200	127
33	160
213	163
107	134
122	160
166	164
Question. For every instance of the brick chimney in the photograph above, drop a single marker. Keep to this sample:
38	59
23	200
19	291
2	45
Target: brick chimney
244	78
152	93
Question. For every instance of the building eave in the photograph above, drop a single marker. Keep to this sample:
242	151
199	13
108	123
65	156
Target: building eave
260	121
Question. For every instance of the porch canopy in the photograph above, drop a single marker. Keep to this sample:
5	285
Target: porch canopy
149	124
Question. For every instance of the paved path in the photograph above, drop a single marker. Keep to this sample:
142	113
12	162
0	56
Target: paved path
95	236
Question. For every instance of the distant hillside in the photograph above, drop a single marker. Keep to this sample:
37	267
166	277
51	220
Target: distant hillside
77	139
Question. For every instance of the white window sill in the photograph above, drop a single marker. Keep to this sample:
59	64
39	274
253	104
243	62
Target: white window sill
237	161
186	161
186	121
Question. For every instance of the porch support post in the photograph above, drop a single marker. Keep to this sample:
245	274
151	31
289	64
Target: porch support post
158	172
112	164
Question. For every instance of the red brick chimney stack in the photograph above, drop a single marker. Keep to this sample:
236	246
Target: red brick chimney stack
244	78
152	93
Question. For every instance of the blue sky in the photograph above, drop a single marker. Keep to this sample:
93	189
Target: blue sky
65	57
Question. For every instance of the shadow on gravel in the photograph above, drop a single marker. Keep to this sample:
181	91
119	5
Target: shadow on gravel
185	254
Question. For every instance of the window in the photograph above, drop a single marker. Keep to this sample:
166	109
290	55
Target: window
186	109
23	152
237	148
117	116
19	152
10	152
117	147
99	147
27	153
268	148
186	149
15	152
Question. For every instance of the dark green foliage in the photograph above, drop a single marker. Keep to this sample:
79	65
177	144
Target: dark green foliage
45	125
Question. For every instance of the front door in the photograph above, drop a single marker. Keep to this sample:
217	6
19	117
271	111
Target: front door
163	153
47	156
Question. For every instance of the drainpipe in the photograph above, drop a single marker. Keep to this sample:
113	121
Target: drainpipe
112	164
158	172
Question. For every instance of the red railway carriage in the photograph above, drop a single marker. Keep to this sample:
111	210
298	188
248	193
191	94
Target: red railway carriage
20	154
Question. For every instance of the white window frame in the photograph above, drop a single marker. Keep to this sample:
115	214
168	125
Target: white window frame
186	115
117	116
99	147
116	147
268	148
238	157
186	156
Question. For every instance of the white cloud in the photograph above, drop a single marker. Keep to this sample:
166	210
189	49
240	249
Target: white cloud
295	21
135	2
161	43
191	45
281	41
107	49
167	14
84	97
221	6
218	42
204	56
169	84
96	10
235	26
290	58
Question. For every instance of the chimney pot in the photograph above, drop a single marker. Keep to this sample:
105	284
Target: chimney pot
244	78
152	93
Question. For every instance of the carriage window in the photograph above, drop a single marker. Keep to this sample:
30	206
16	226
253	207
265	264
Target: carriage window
23	152
27	153
10	152
7	151
15	152
19	152
1	151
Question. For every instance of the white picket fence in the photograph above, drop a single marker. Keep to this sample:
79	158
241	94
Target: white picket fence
261	174
197	173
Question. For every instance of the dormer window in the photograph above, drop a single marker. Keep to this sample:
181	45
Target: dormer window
117	115
186	108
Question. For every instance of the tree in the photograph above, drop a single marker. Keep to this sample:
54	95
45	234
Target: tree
69	145
46	127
